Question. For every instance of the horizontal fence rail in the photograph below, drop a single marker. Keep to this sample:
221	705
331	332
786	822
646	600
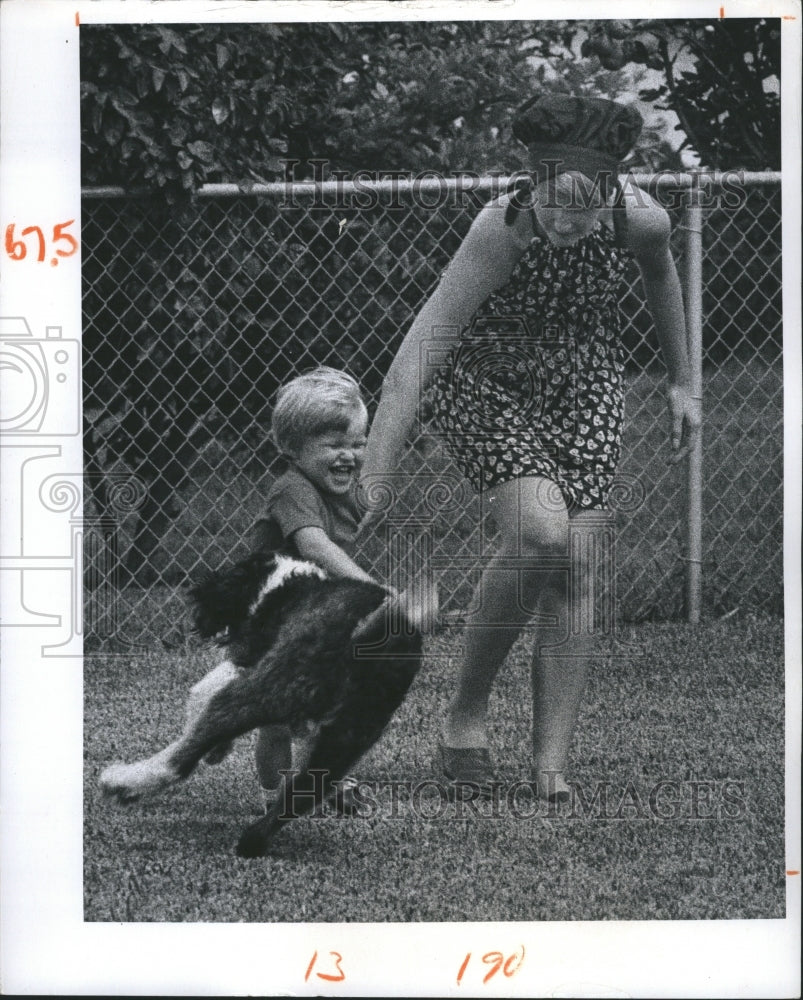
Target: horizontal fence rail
465	182
194	314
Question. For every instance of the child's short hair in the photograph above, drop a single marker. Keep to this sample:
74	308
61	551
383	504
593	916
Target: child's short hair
311	404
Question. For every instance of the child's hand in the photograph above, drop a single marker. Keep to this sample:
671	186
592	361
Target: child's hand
686	418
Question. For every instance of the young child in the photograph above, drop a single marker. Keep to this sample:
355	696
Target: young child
319	425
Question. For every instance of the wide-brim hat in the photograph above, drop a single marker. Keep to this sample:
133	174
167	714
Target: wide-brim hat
591	135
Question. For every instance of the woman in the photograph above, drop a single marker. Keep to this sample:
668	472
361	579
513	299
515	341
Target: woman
531	402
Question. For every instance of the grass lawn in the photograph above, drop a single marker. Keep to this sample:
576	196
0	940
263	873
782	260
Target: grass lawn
699	706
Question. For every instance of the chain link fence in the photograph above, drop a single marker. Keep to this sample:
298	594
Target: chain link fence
195	314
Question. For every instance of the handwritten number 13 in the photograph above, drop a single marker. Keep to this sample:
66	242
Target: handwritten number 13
329	977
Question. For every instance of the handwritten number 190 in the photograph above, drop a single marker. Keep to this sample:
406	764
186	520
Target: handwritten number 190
509	966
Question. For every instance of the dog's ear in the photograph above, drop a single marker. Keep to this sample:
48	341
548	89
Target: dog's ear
222	600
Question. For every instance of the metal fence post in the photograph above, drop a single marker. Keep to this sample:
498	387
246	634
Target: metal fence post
693	226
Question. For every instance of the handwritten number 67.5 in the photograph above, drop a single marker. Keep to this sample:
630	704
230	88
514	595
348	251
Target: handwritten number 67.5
18	249
509	966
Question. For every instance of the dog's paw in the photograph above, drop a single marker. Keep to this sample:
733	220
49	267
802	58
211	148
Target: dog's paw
114	785
128	782
121	796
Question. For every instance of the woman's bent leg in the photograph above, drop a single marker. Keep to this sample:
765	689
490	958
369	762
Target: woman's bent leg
491	630
533	526
562	654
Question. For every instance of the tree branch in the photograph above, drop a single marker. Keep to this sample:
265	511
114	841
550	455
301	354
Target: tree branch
677	105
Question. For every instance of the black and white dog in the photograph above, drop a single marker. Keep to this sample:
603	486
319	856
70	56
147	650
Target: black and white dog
331	658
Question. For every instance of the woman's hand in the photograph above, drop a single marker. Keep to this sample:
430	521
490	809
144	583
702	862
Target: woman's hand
686	418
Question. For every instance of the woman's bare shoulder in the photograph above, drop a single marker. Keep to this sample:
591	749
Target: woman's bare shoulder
648	223
490	226
490	250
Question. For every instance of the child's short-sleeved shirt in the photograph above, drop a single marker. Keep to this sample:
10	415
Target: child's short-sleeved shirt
294	502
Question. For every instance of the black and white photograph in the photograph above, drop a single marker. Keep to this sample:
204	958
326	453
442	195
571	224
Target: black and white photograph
401	507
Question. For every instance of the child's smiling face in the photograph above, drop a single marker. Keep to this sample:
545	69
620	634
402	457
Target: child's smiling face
332	460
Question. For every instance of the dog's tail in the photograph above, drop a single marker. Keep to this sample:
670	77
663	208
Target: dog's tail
221	601
410	611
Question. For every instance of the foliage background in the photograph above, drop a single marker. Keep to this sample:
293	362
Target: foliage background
170	109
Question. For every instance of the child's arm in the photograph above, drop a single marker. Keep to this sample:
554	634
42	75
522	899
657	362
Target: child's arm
649	229
316	546
296	509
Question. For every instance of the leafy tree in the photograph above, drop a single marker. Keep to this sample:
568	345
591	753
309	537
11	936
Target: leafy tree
720	77
170	109
167	108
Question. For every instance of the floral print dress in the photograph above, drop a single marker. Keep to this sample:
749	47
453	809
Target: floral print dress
534	386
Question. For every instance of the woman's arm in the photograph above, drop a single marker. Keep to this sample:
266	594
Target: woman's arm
483	263
649	230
